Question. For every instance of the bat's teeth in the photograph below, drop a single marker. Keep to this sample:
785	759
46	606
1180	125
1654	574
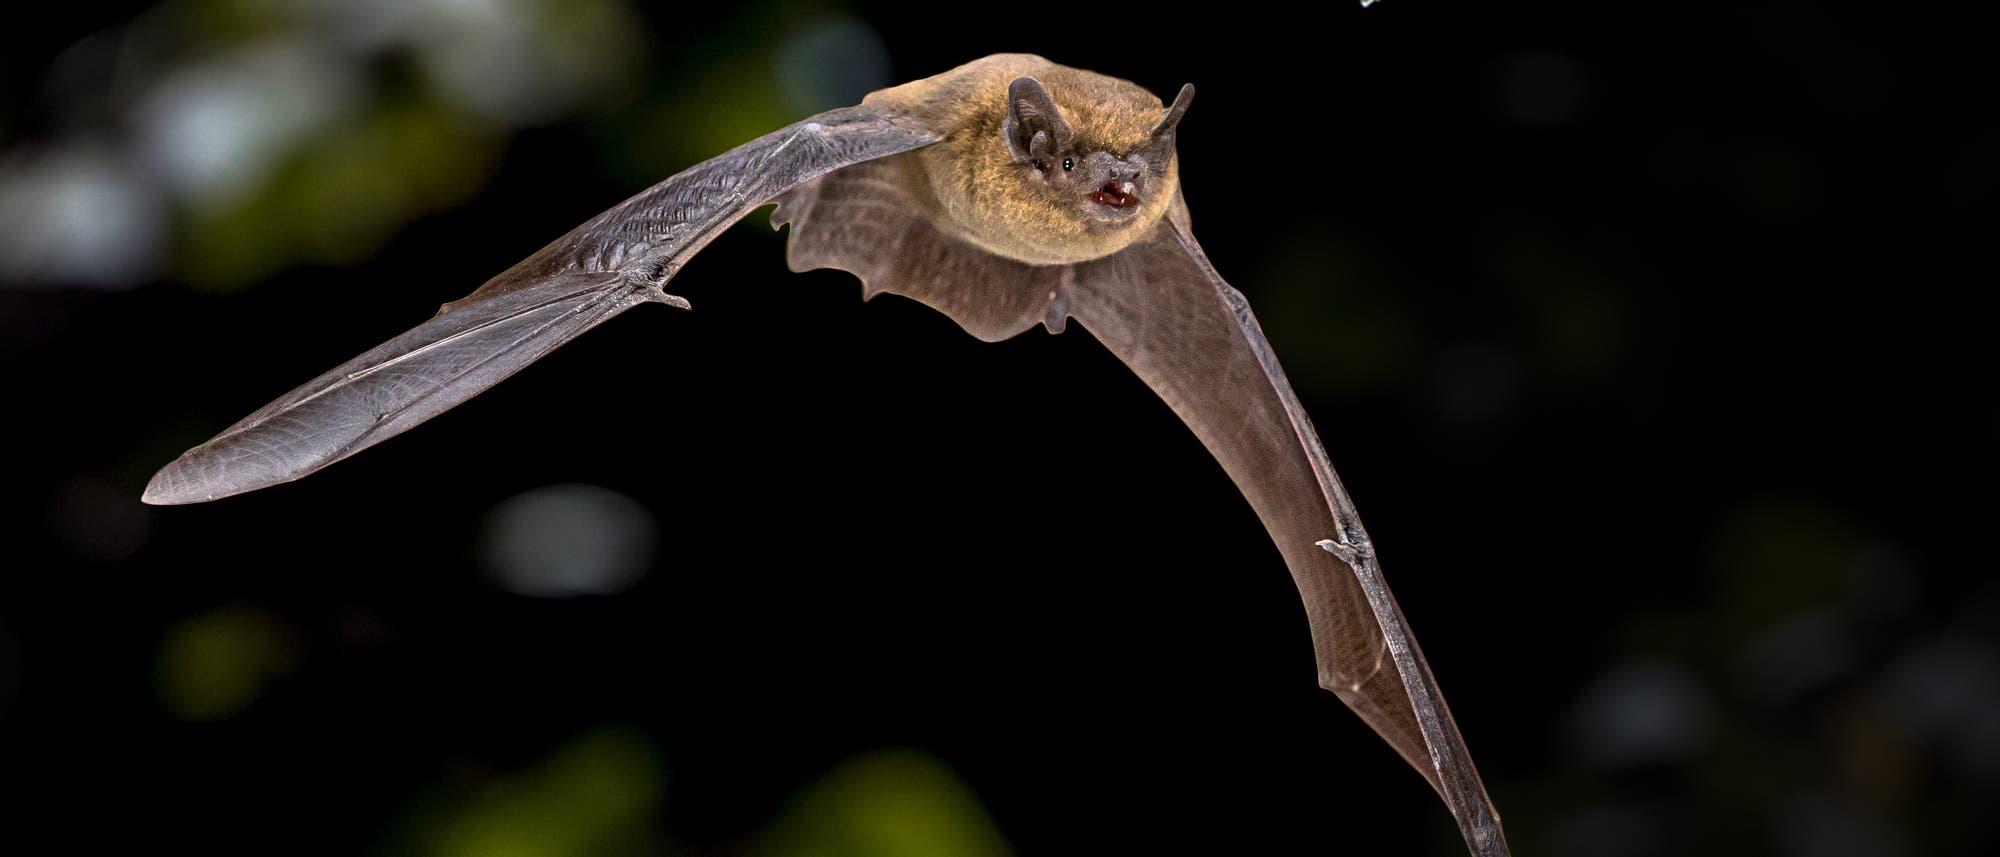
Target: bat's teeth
1117	194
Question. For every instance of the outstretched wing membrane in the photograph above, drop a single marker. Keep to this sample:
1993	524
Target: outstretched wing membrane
1162	309
617	260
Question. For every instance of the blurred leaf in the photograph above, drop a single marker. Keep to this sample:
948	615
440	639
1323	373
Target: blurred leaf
741	82
1778	556
228	20
212	666
1326	304
594	795
892	803
1578	309
338	199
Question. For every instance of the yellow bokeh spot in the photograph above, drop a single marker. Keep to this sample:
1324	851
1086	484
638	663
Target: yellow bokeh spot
212	666
592	794
890	803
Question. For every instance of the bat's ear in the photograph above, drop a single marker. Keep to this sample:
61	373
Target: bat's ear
1035	128
1172	119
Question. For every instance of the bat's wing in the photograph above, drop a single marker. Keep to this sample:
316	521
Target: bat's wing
1163	310
617	260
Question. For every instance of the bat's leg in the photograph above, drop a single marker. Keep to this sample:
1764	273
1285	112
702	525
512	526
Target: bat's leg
1478	821
1056	316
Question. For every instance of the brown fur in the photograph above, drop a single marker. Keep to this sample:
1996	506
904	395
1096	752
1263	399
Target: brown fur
971	186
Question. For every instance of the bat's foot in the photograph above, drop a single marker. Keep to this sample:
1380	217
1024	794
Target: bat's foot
1056	315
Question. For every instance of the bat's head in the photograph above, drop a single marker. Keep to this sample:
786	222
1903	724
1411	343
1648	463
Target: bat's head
1110	171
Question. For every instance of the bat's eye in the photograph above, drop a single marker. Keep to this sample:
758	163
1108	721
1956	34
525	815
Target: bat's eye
1068	165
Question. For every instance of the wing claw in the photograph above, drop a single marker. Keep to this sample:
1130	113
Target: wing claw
1160	306
676	301
1348	553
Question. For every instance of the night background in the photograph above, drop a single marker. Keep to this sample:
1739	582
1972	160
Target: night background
1641	335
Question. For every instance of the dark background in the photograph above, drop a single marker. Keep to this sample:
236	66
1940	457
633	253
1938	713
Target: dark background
1639	333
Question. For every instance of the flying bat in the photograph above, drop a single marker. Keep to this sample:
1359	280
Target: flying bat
1005	193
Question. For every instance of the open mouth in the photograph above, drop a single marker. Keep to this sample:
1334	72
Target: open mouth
1116	195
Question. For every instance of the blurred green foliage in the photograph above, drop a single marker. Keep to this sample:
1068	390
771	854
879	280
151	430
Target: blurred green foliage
595	794
1326	297
890	803
336	200
601	792
213	665
1777	557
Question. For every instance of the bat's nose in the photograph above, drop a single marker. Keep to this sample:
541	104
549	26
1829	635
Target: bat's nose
1116	194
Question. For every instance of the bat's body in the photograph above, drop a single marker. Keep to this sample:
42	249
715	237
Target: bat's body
1103	135
1006	193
